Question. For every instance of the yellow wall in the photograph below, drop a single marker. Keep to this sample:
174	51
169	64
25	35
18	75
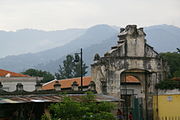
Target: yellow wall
168	107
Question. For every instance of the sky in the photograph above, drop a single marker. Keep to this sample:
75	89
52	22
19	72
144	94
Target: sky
63	14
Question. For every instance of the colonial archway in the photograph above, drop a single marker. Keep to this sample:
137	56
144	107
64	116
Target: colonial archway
135	85
143	76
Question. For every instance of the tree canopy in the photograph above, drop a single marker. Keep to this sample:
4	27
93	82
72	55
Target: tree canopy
47	76
173	60
87	109
71	69
168	85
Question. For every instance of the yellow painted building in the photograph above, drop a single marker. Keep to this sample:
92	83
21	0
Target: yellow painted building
167	107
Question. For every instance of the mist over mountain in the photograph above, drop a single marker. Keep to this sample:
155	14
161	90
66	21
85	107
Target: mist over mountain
32	41
92	35
164	38
96	39
88	54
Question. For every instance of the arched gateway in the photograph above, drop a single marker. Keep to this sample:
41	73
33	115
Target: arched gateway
133	59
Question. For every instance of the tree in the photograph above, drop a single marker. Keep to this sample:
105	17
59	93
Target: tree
70	69
77	69
87	109
47	76
168	84
173	60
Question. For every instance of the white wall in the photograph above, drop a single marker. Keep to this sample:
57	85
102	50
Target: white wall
9	84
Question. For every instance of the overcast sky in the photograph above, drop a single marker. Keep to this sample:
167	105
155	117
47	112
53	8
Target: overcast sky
63	14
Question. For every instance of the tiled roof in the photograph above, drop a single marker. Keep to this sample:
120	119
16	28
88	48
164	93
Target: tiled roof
4	73
66	83
132	79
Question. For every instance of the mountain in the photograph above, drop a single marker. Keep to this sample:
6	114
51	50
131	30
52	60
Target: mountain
92	35
88	54
32	41
160	37
96	39
163	38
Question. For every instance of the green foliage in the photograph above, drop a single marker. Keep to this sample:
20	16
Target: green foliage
68	109
47	76
176	73
99	116
70	69
88	109
173	60
105	106
168	85
90	97
103	116
45	117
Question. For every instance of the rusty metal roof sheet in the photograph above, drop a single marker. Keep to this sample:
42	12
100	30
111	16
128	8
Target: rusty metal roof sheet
52	98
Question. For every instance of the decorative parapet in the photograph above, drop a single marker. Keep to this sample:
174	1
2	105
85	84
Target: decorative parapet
96	57
130	30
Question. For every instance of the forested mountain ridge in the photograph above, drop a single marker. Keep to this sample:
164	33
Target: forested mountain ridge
96	39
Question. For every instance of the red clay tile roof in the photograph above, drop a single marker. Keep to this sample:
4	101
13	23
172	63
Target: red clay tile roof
3	73
132	79
66	83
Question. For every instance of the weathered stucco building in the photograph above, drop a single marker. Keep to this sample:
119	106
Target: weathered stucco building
132	56
9	80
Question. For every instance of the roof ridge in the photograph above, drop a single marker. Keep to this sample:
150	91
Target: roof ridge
74	78
49	82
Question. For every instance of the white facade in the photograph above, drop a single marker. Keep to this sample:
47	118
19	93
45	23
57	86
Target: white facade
9	83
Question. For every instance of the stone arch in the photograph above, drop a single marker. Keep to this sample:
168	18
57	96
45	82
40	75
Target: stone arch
140	74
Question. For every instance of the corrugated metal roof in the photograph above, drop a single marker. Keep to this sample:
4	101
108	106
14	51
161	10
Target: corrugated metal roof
2	101
52	98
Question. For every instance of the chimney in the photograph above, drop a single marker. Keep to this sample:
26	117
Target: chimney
38	86
92	86
75	86
19	87
57	86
